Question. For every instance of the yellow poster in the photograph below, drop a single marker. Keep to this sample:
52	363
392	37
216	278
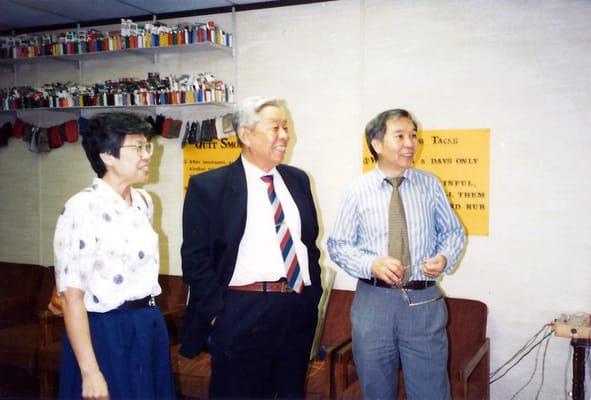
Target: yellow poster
460	159
206	155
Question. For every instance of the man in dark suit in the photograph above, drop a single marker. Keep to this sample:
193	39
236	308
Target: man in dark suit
250	257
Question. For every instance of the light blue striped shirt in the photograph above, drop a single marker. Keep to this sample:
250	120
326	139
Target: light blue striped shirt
360	234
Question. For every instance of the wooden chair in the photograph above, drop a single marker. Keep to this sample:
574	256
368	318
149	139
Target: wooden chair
468	364
334	334
192	375
469	349
27	325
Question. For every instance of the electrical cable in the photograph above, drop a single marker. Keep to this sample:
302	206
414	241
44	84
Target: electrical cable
535	367
543	368
529	341
522	357
531	376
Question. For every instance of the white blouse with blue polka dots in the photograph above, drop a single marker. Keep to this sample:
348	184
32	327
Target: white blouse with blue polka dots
107	248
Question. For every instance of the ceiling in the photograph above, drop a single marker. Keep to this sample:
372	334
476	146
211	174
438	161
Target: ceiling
23	16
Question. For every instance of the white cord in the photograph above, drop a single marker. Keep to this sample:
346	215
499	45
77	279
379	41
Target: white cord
531	377
533	374
526	349
514	356
543	367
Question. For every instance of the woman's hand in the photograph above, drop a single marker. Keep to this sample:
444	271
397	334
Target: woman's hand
94	386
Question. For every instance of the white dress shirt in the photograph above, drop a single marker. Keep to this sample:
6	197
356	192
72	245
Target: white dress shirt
259	255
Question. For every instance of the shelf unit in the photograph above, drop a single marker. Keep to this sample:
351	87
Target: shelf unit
151	53
207	106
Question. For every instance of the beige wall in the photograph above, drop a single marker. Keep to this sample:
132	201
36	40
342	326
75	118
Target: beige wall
518	68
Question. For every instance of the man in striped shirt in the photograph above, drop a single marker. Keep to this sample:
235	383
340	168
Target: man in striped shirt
397	319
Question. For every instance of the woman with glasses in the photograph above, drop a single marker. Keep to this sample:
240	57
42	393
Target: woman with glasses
106	267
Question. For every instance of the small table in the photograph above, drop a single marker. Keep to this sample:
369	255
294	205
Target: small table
580	347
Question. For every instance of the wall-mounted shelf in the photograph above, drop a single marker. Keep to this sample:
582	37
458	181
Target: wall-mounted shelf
149	52
208	106
78	61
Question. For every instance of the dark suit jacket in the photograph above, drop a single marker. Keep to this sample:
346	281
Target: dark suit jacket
214	218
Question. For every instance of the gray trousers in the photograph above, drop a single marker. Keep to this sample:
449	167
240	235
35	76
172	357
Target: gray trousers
389	333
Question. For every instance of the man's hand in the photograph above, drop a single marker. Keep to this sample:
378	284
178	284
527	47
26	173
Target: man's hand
388	269
434	266
94	386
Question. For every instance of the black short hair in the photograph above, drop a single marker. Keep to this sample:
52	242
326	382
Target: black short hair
376	128
105	133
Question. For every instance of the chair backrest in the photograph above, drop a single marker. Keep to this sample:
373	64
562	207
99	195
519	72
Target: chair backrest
20	279
337	322
45	289
174	291
466	327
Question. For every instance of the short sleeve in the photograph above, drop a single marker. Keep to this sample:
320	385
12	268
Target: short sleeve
74	245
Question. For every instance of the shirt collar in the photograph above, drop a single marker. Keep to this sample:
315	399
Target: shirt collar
381	177
254	172
108	193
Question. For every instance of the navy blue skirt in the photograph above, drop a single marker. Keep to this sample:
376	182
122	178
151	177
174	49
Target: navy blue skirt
132	350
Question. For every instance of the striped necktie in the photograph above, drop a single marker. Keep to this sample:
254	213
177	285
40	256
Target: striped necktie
397	230
290	260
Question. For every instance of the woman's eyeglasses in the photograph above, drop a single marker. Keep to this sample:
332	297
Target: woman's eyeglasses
147	147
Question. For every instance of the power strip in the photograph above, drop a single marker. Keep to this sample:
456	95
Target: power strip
564	329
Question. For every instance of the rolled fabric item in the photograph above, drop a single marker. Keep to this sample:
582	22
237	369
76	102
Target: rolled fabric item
203	131
223	126
43	141
193	132
186	135
171	128
28	132
54	138
212	130
227	126
63	132
5	133
158	124
34	139
18	129
71	131
164	129
219	130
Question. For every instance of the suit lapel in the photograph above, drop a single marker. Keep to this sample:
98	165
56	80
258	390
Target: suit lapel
234	202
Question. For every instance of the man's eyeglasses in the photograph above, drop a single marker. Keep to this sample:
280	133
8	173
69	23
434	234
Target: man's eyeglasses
147	147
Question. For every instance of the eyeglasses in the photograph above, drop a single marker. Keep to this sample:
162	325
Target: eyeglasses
148	147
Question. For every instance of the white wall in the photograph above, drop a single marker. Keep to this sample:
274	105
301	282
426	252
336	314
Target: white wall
518	68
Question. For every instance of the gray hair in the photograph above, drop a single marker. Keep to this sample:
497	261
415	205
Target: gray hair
246	112
376	128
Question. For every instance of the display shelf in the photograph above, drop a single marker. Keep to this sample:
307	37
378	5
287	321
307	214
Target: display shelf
205	47
213	106
150	52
